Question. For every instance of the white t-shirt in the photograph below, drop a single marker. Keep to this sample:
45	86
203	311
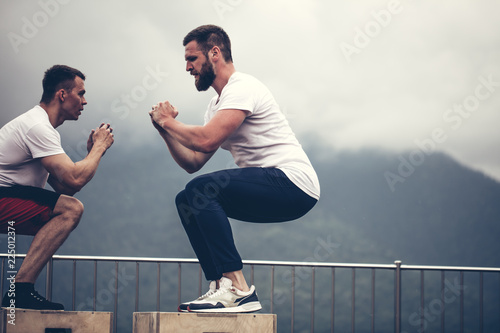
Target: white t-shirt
265	138
23	141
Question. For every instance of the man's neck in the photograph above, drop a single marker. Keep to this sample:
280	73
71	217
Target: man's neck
223	77
53	113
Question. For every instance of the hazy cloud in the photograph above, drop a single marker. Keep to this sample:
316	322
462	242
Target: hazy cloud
358	74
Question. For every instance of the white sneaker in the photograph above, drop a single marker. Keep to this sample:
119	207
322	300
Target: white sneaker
183	307
227	299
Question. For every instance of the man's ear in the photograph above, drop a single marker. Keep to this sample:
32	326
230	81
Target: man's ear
215	53
61	95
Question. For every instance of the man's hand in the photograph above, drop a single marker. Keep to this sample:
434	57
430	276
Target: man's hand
102	137
158	127
90	141
162	112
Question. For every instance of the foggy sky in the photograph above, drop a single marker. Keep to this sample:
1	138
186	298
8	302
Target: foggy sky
413	76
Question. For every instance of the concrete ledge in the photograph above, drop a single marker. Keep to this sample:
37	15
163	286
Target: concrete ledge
175	322
35	321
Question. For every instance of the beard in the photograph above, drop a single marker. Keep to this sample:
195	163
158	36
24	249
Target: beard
206	77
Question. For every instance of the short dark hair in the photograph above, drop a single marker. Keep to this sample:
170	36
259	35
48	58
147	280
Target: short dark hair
208	36
57	77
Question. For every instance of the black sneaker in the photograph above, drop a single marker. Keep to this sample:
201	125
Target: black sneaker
28	298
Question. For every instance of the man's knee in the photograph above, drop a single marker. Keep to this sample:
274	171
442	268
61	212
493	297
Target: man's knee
202	190
185	211
71	208
76	207
181	198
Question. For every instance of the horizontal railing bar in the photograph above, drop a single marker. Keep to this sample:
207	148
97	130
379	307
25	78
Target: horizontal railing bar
450	268
275	263
190	260
107	258
317	264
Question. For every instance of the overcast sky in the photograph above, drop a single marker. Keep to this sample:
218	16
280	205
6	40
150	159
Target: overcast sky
415	76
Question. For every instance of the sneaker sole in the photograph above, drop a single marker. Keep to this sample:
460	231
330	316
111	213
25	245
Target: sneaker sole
248	307
28	309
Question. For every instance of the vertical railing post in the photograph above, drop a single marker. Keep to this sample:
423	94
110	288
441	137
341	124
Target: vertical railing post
252	275
272	288
373	302
73	287
179	282
115	309
333	301
397	297
481	302
442	302
353	300
422	301
136	286
199	281
158	275
293	299
48	281
2	276
461	302
313	289
94	305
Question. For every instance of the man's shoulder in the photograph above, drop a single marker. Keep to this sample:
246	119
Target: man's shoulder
37	120
37	114
30	118
33	124
240	76
246	82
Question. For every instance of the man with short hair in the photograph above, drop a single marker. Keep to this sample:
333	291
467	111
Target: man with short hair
275	181
30	156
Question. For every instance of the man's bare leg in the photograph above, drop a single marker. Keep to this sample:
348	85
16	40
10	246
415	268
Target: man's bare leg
67	213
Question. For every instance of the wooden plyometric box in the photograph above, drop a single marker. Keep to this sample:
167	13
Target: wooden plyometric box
46	321
170	322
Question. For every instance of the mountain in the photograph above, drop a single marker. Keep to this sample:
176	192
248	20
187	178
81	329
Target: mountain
441	214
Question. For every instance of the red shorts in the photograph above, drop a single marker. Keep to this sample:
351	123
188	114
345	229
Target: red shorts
26	208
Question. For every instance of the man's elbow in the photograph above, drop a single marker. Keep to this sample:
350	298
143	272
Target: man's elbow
63	186
191	168
73	186
69	190
207	146
64	189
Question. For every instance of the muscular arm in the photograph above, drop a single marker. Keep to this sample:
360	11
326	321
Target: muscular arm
192	146
186	158
67	177
60	187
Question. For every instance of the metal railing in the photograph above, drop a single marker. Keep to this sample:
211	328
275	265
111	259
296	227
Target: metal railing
418	320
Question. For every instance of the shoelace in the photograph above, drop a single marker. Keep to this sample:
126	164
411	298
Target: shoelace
38	297
219	292
207	294
212	289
